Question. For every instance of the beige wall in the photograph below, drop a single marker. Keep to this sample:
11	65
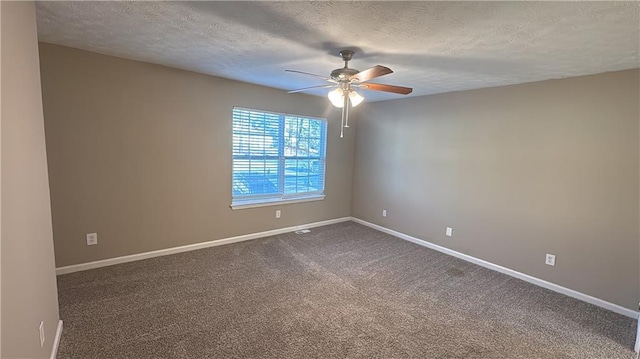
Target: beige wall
29	293
141	154
518	172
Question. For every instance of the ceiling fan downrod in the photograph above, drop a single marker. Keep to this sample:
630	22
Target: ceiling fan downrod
346	57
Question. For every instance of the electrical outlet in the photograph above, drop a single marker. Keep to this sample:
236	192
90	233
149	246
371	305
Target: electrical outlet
92	239
278	213
384	213
449	232
41	328
550	260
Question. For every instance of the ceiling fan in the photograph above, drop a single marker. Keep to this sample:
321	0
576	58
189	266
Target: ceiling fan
346	80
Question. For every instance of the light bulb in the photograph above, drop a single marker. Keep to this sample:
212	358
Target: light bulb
336	98
355	98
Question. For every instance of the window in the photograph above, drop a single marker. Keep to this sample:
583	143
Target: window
277	158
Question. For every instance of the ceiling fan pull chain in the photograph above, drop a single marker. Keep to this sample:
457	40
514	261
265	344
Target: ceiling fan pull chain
346	111
342	123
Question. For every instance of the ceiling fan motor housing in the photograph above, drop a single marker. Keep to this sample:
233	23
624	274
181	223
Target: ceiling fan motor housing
343	74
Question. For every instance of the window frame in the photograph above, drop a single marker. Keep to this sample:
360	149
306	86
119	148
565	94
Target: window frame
281	197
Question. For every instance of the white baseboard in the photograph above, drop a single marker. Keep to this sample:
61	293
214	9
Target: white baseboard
636	348
56	341
527	278
190	247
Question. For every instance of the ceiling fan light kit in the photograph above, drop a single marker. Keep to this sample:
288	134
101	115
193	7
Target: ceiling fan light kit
345	79
337	98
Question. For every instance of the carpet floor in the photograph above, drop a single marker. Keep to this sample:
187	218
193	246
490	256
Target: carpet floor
341	291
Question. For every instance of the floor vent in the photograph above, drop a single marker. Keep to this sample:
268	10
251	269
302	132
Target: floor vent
302	231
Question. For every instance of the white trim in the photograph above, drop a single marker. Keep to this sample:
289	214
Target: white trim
191	247
636	348
56	341
527	278
254	203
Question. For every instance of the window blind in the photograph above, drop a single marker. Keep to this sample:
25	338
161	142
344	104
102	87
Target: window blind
277	156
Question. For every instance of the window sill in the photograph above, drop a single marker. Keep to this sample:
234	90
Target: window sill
275	202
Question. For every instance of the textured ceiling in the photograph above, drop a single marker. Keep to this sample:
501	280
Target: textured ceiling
433	47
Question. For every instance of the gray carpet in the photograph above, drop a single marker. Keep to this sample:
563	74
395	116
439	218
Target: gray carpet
341	291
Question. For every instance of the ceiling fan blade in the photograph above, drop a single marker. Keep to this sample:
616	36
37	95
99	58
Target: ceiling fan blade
312	87
310	74
386	88
371	73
